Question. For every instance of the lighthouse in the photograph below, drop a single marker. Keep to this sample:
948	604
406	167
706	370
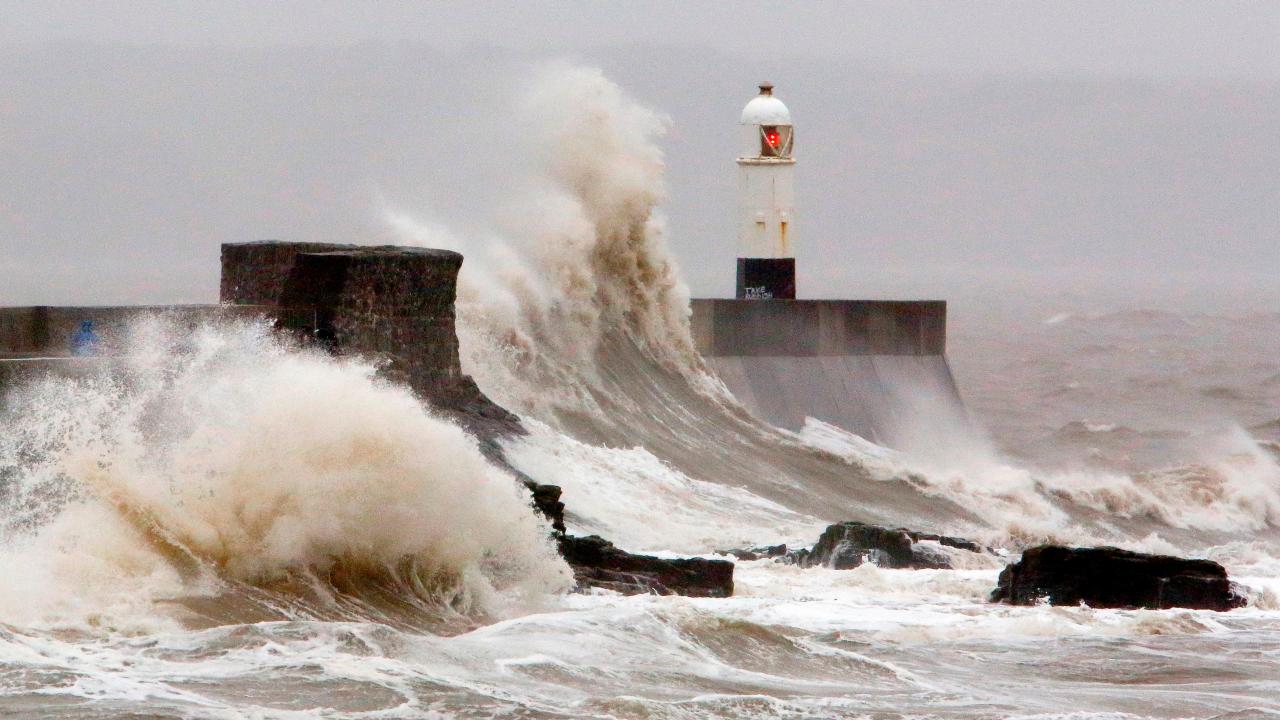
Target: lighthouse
877	368
766	200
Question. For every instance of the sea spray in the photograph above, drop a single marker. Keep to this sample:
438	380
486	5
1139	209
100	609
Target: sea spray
219	455
793	642
639	502
575	317
1235	488
583	255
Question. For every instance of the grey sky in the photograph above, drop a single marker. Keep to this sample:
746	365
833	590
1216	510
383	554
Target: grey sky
944	147
1185	38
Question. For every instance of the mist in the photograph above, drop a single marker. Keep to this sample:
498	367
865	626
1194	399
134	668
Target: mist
1095	170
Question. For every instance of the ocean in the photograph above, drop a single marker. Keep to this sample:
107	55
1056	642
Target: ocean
224	526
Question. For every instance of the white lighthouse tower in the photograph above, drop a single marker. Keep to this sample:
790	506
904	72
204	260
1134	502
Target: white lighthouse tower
766	200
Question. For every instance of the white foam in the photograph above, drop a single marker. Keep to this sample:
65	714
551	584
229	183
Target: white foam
582	250
1236	488
632	498
255	461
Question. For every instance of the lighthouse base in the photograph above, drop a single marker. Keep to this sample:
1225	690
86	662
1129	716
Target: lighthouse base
874	368
766	279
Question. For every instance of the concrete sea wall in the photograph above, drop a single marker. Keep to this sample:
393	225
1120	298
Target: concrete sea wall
395	304
820	327
37	340
44	331
876	368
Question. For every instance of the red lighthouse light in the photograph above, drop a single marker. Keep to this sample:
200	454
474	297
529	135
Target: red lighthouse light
775	141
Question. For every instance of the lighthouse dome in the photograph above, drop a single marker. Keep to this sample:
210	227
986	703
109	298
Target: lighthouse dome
765	109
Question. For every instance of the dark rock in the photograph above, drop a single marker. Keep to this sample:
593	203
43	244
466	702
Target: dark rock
846	545
1107	577
597	563
756	553
955	542
546	500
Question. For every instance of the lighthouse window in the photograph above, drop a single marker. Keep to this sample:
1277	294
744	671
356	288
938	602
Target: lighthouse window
775	140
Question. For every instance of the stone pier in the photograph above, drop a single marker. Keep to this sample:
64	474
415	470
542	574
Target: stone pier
877	368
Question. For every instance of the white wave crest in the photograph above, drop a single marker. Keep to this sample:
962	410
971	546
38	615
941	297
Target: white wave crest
223	455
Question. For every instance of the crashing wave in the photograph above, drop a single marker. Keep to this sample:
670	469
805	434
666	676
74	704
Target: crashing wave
220	457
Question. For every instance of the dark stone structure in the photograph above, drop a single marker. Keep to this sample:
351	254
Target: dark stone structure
1107	577
847	545
255	273
392	303
597	563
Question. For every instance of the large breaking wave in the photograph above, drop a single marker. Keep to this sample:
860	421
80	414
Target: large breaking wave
576	317
230	476
222	463
225	480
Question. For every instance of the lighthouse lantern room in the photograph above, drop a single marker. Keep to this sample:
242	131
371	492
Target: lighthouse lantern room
766	205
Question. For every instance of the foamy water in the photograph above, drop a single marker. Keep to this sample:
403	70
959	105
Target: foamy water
223	526
226	458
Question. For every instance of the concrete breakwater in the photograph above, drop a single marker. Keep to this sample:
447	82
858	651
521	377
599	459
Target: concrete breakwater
391	303
876	368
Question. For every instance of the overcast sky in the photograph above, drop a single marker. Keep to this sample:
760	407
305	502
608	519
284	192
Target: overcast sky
942	146
1218	37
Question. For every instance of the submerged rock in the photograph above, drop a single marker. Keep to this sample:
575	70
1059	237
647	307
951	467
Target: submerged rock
756	553
847	545
597	563
1108	577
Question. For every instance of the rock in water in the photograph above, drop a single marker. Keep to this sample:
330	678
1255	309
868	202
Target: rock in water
597	563
546	500
846	545
756	553
1107	577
